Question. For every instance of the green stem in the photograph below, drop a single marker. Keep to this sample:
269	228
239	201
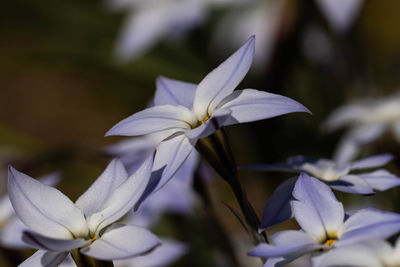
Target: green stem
85	261
216	150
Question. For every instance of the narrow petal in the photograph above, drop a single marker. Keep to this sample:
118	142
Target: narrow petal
154	119
52	244
352	184
113	176
369	224
11	234
253	105
44	209
43	258
316	210
381	179
170	158
217	120
372	162
288	244
174	92
122	241
164	255
354	255
358	136
220	82
122	199
278	207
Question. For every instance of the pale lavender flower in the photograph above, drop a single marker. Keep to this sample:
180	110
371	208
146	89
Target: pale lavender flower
372	253
341	14
339	175
367	120
257	17
58	225
149	21
324	225
11	227
203	109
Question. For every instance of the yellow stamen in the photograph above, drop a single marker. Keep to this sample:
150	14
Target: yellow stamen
330	242
93	239
205	119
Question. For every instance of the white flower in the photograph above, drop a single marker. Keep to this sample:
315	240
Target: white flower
367	120
204	108
60	225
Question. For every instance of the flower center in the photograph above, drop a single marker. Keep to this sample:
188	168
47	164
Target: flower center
93	239
205	119
330	242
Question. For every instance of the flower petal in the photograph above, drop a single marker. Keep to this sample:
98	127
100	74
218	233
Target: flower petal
316	210
216	121
369	224
289	244
154	119
45	259
381	179
220	82
353	255
122	199
372	162
253	105
164	255
114	175
278	207
122	241
171	155
44	209
52	244
353	184
174	92
11	234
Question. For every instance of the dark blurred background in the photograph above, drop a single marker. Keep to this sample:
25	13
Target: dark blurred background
62	89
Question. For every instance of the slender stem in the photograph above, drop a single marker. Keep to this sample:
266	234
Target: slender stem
224	241
85	261
216	150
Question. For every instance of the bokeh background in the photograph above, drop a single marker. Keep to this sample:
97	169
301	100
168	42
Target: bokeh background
63	87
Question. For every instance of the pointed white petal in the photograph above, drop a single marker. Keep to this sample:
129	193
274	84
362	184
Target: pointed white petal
174	92
253	105
278	207
353	255
220	82
43	258
11	234
344	116
352	184
44	209
52	244
380	179
170	156
369	224
316	210
114	175
154	119
122	199
288	244
122	241
372	162
217	120
164	255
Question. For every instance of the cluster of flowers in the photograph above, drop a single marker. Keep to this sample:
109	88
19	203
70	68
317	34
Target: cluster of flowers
183	118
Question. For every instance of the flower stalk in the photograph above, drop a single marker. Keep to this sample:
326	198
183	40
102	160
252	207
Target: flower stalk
217	151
